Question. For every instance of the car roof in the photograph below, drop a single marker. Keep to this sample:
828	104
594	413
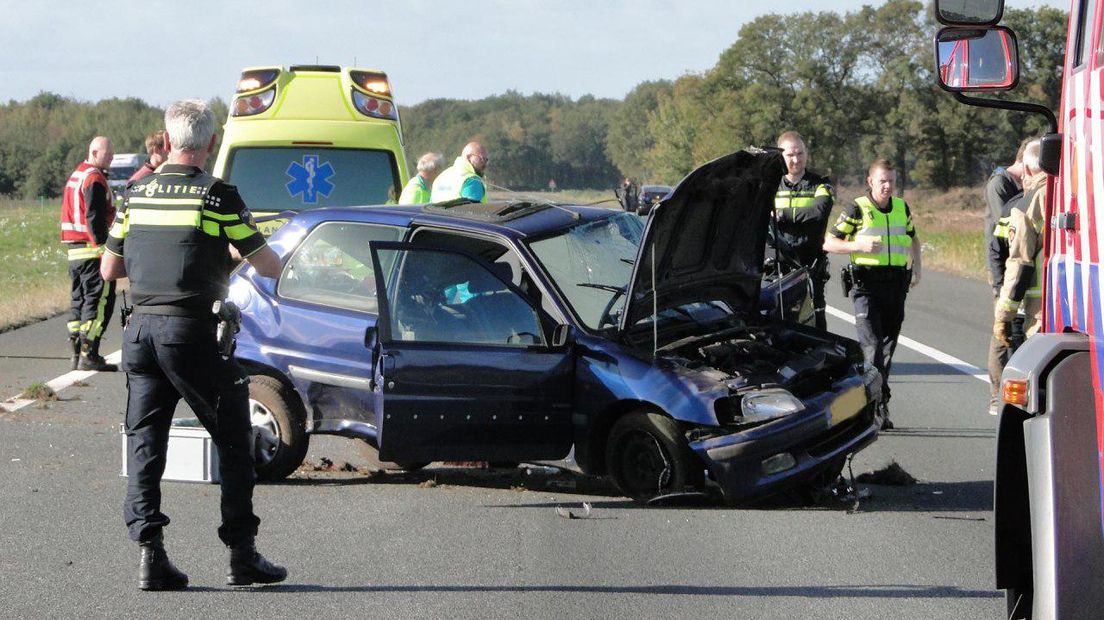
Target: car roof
516	223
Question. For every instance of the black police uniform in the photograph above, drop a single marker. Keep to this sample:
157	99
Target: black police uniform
879	291
801	213
173	235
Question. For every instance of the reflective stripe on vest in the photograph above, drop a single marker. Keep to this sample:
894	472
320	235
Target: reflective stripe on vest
799	198
891	228
86	251
1000	231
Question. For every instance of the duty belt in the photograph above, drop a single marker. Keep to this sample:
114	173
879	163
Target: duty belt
168	310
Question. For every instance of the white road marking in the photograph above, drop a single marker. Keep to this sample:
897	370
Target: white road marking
58	384
961	366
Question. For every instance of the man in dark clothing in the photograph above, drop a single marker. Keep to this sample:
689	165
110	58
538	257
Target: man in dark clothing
1002	191
801	209
173	239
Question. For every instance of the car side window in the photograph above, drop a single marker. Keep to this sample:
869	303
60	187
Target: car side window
448	297
333	266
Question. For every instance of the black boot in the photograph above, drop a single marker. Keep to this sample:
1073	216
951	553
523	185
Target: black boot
248	567
90	358
156	572
74	351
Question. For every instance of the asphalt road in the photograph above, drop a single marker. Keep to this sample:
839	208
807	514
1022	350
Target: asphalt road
485	544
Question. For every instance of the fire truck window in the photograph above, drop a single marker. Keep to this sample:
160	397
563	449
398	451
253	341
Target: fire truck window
1086	19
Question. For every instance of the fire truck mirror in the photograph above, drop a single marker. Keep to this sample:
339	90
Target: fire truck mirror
969	12
977	59
1050	153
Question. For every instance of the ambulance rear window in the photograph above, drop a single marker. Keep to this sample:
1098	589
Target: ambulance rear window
299	178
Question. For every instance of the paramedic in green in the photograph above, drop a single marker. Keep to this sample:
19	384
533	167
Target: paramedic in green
418	188
464	179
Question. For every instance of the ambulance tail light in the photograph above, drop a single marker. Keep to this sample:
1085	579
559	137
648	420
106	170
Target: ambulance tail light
249	105
256	79
373	82
373	107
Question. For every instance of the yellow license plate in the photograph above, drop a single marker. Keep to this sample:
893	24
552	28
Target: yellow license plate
848	405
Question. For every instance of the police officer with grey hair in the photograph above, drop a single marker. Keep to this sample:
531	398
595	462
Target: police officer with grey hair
418	189
177	238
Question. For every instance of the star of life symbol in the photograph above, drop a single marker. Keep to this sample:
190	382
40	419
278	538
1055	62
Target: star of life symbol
310	178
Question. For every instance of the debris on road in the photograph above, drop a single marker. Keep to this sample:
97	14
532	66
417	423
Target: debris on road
427	484
567	514
891	475
38	391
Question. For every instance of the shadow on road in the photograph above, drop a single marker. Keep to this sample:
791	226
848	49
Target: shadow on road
843	591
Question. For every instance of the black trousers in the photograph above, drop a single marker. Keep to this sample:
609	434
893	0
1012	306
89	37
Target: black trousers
879	297
167	358
818	275
91	300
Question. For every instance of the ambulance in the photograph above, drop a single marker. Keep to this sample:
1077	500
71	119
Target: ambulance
1048	517
310	136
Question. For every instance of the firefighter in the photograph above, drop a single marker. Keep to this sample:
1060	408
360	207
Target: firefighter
1001	191
1025	242
877	231
87	212
417	190
464	179
174	239
801	209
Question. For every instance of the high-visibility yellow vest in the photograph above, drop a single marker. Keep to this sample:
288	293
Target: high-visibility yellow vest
448	184
891	228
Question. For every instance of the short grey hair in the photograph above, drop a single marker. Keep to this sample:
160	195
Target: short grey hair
1031	156
431	162
190	124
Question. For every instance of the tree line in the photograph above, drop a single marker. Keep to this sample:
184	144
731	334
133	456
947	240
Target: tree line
857	85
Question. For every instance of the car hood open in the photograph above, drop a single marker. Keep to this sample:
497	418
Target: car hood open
707	238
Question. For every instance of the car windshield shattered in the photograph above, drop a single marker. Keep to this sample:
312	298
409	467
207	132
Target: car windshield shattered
591	264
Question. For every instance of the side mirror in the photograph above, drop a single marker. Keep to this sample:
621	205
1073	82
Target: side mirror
1050	153
371	337
977	59
969	12
560	335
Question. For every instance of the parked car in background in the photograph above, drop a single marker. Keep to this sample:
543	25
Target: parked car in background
123	165
516	331
649	196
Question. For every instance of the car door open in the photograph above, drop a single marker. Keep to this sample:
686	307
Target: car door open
466	368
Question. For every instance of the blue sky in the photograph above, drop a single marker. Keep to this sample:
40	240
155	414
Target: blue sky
161	51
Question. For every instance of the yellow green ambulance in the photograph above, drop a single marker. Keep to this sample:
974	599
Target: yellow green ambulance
311	136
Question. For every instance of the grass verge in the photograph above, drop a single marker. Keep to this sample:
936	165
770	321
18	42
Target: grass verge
34	280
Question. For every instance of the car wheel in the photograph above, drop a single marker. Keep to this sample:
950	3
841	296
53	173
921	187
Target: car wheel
647	456
371	454
280	437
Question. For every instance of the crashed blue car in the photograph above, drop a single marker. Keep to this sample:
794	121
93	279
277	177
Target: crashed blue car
520	331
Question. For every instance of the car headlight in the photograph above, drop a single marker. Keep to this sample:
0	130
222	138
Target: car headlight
770	404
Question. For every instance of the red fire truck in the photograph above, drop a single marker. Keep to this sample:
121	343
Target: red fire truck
1049	521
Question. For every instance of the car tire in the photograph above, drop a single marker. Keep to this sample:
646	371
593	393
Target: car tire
280	437
370	453
646	445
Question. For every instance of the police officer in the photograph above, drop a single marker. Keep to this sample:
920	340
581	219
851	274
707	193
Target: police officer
464	178
801	209
418	188
1025	244
174	239
877	231
87	212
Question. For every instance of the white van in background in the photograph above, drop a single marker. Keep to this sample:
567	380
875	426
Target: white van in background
123	165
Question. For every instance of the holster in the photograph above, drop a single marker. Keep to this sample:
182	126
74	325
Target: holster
847	280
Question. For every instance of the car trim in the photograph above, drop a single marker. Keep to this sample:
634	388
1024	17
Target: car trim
329	378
